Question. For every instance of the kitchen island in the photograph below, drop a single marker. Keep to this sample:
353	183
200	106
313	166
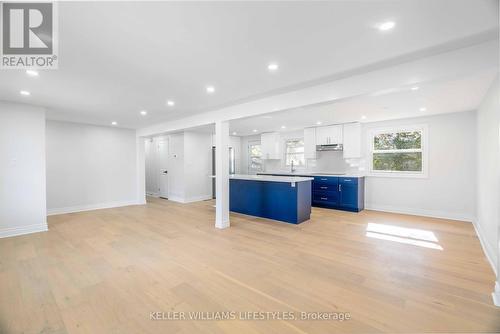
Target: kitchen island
339	191
283	198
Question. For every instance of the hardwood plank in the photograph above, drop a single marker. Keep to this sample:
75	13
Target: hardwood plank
105	271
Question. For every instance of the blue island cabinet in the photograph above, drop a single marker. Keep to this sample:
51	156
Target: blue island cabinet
343	193
284	201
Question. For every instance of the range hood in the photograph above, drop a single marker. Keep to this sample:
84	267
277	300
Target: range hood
330	147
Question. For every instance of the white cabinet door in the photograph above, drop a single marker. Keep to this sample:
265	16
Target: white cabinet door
336	134
328	135
352	140
270	145
322	135
310	143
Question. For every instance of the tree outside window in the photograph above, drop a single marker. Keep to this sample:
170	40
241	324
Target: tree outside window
398	151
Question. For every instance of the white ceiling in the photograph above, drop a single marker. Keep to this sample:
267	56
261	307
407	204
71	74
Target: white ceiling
117	58
454	95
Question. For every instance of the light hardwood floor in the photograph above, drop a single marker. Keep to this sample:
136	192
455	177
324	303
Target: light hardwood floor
105	271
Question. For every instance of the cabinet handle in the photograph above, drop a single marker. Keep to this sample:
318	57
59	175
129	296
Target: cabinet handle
324	198
323	179
324	187
340	187
347	180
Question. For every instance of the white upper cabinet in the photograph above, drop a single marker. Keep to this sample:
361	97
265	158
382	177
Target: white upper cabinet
270	145
310	143
352	140
328	135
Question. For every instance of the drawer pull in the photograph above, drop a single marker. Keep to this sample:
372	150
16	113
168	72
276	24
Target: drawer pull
324	198
347	180
324	187
324	179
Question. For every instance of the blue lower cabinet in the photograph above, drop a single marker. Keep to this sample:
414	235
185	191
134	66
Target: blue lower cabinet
335	192
283	201
343	193
325	198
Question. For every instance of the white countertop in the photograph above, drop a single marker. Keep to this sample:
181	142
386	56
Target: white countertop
270	178
314	174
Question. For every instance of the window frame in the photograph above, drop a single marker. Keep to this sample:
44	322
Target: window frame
285	152
249	156
423	128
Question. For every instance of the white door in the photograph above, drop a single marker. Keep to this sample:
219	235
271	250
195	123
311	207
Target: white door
163	166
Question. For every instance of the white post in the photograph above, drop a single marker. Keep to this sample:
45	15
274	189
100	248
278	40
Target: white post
221	174
140	170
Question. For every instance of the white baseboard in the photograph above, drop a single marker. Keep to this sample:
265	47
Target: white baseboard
488	250
420	212
14	231
80	208
153	194
189	199
496	295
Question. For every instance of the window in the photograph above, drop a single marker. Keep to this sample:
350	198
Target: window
254	158
294	151
398	151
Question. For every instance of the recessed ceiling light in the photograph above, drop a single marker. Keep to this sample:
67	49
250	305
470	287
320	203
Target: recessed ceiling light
319	123
210	89
363	117
170	103
25	93
272	67
423	109
234	133
144	112
32	73
386	25
283	127
114	123
414	88
254	130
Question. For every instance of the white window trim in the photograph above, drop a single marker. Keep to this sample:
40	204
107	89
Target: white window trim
249	156
283	164
400	128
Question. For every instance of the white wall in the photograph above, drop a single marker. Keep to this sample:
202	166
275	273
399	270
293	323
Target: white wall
488	192
189	166
151	161
89	167
176	178
22	169
450	188
197	166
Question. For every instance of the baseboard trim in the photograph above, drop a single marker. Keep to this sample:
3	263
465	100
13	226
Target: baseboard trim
90	207
15	231
488	250
419	212
496	295
190	199
153	194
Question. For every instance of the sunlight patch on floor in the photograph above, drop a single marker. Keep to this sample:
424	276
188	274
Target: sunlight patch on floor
411	236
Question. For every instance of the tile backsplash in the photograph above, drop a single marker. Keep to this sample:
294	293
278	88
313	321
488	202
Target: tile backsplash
326	161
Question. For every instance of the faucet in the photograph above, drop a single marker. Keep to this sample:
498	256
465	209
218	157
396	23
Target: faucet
292	170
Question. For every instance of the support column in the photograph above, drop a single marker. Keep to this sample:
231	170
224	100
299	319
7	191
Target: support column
222	174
